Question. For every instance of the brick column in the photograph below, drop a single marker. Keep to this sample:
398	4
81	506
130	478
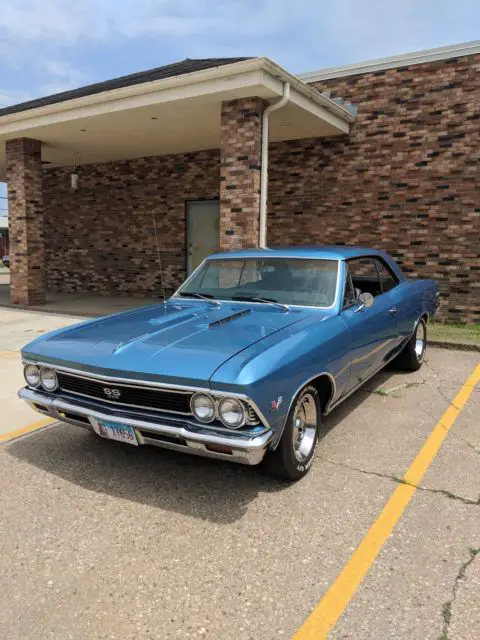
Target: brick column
240	159
25	207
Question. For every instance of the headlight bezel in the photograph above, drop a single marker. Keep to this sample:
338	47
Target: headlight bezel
221	413
43	371
206	395
31	365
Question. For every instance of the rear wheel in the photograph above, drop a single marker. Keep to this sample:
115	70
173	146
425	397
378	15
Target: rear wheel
295	453
413	354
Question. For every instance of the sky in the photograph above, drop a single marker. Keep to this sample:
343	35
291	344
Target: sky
47	46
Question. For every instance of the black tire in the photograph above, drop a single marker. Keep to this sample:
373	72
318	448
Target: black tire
412	356
283	462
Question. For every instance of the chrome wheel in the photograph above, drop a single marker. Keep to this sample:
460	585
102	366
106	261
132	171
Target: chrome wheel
304	427
420	341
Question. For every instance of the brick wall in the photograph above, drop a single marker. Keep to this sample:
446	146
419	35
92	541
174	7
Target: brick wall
241	140
407	178
25	202
100	238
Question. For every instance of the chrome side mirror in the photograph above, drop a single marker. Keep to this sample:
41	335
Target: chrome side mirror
364	301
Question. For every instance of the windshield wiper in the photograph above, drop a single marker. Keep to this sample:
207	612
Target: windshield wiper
201	296
284	307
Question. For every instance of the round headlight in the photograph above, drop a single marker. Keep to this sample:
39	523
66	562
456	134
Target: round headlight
32	375
203	407
48	378
232	413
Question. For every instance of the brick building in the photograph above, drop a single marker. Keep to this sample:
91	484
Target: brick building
383	154
4	246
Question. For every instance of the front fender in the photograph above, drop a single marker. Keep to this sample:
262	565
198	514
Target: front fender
272	371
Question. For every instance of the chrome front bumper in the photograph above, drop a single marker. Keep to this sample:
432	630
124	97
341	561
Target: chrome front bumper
168	433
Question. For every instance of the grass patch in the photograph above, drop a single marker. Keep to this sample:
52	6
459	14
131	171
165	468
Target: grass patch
453	332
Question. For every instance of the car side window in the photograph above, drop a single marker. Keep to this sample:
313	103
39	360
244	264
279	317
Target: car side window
349	293
365	276
387	279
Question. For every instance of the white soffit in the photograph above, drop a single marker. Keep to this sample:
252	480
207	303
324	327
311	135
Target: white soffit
226	82
173	115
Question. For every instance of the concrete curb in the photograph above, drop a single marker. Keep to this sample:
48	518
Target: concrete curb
22	307
457	346
85	315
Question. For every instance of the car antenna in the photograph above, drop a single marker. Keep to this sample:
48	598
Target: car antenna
160	264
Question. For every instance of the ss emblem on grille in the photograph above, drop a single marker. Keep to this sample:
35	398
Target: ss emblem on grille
113	394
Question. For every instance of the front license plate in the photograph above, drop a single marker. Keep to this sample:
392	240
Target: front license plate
117	431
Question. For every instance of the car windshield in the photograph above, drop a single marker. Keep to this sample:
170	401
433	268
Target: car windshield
287	281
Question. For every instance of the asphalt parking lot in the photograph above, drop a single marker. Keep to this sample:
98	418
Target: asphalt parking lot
102	540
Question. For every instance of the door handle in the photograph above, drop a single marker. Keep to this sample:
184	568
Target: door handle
393	311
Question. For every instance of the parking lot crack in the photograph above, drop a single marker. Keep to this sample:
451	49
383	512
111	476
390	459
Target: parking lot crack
456	434
378	474
442	380
401	387
469	444
448	606
398	480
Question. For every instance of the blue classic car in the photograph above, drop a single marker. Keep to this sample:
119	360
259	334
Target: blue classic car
242	362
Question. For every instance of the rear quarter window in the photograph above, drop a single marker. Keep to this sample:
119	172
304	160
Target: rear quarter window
387	278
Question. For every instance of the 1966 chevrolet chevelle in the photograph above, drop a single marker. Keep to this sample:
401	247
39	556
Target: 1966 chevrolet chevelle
242	362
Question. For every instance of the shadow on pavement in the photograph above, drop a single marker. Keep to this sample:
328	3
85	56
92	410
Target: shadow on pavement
207	489
356	399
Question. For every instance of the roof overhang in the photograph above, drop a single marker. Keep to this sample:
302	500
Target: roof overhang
171	115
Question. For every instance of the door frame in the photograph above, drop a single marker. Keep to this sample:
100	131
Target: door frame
185	225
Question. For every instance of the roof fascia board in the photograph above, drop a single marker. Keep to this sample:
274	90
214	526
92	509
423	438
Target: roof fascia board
392	62
143	88
214	80
309	92
299	99
319	111
45	116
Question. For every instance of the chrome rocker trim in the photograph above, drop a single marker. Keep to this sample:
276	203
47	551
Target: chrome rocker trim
246	449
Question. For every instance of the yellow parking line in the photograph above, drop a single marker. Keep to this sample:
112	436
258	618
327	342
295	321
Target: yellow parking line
11	435
324	617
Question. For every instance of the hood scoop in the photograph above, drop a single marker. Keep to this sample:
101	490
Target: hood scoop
240	314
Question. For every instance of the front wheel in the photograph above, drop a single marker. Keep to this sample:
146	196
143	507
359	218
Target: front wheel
295	453
413	354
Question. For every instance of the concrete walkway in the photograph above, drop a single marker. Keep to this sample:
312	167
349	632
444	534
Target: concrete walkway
78	304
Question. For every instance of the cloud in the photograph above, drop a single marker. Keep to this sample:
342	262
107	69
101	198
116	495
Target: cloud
43	20
53	45
67	23
44	36
8	98
62	76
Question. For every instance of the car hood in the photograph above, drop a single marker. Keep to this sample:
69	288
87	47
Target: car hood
177	342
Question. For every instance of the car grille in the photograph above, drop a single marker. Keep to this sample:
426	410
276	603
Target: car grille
120	394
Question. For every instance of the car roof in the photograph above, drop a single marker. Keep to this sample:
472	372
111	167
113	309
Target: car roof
332	252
